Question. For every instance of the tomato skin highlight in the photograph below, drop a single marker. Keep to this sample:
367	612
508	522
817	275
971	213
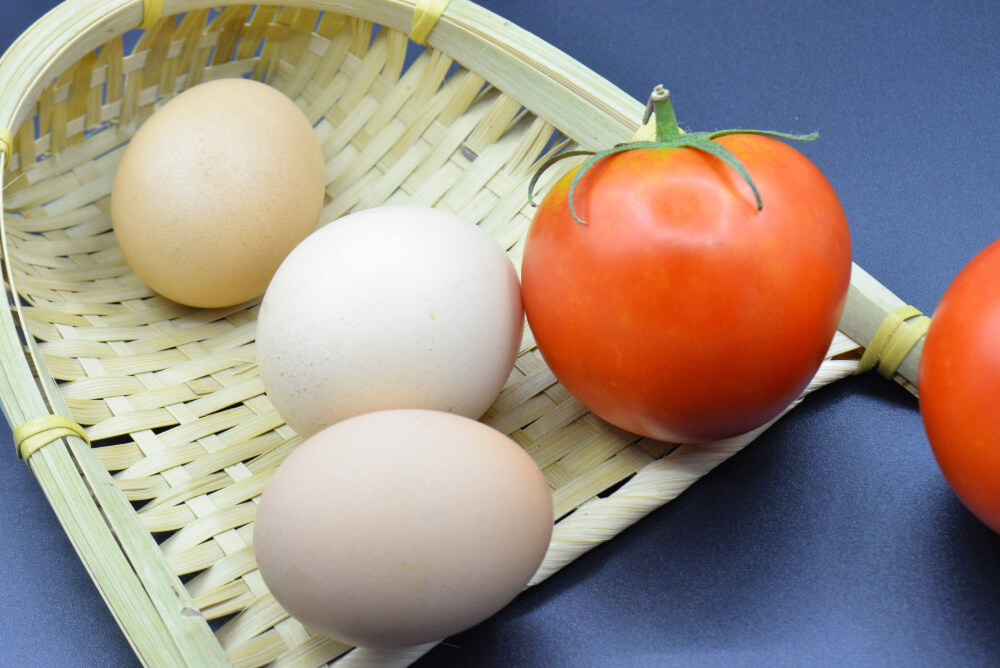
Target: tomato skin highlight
959	384
679	311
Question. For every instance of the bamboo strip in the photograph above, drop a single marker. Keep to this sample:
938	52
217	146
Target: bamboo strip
868	303
654	485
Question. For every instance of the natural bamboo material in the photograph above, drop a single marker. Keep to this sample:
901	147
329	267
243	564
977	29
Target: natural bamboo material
170	395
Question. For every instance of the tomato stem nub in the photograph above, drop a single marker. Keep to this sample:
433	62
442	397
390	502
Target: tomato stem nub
666	120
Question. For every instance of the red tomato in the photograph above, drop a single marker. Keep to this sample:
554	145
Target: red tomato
680	311
960	385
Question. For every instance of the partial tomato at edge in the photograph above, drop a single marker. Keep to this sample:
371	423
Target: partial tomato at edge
959	385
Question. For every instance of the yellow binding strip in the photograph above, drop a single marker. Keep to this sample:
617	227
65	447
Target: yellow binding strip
151	10
893	340
34	434
6	142
425	17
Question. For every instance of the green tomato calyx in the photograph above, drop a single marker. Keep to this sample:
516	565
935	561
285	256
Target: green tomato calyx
668	135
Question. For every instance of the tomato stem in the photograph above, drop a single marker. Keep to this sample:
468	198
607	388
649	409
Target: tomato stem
668	135
667	129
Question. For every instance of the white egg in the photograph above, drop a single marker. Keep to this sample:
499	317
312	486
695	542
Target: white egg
391	307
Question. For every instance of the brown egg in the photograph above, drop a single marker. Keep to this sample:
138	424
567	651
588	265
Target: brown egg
401	527
215	189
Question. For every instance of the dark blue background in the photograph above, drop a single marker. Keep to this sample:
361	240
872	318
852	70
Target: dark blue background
833	538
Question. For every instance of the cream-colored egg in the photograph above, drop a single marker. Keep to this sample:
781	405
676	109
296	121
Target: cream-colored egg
215	189
391	307
402	527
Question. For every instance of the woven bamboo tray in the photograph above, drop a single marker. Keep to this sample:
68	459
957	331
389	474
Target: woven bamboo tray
160	504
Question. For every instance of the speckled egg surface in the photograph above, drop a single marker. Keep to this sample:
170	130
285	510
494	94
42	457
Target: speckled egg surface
390	307
215	189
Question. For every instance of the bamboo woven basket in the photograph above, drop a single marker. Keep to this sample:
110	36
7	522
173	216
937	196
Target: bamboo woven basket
182	439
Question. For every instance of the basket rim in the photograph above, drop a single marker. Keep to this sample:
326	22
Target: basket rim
59	38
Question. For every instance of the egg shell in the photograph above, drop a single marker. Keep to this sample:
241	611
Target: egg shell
402	527
391	307
215	189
